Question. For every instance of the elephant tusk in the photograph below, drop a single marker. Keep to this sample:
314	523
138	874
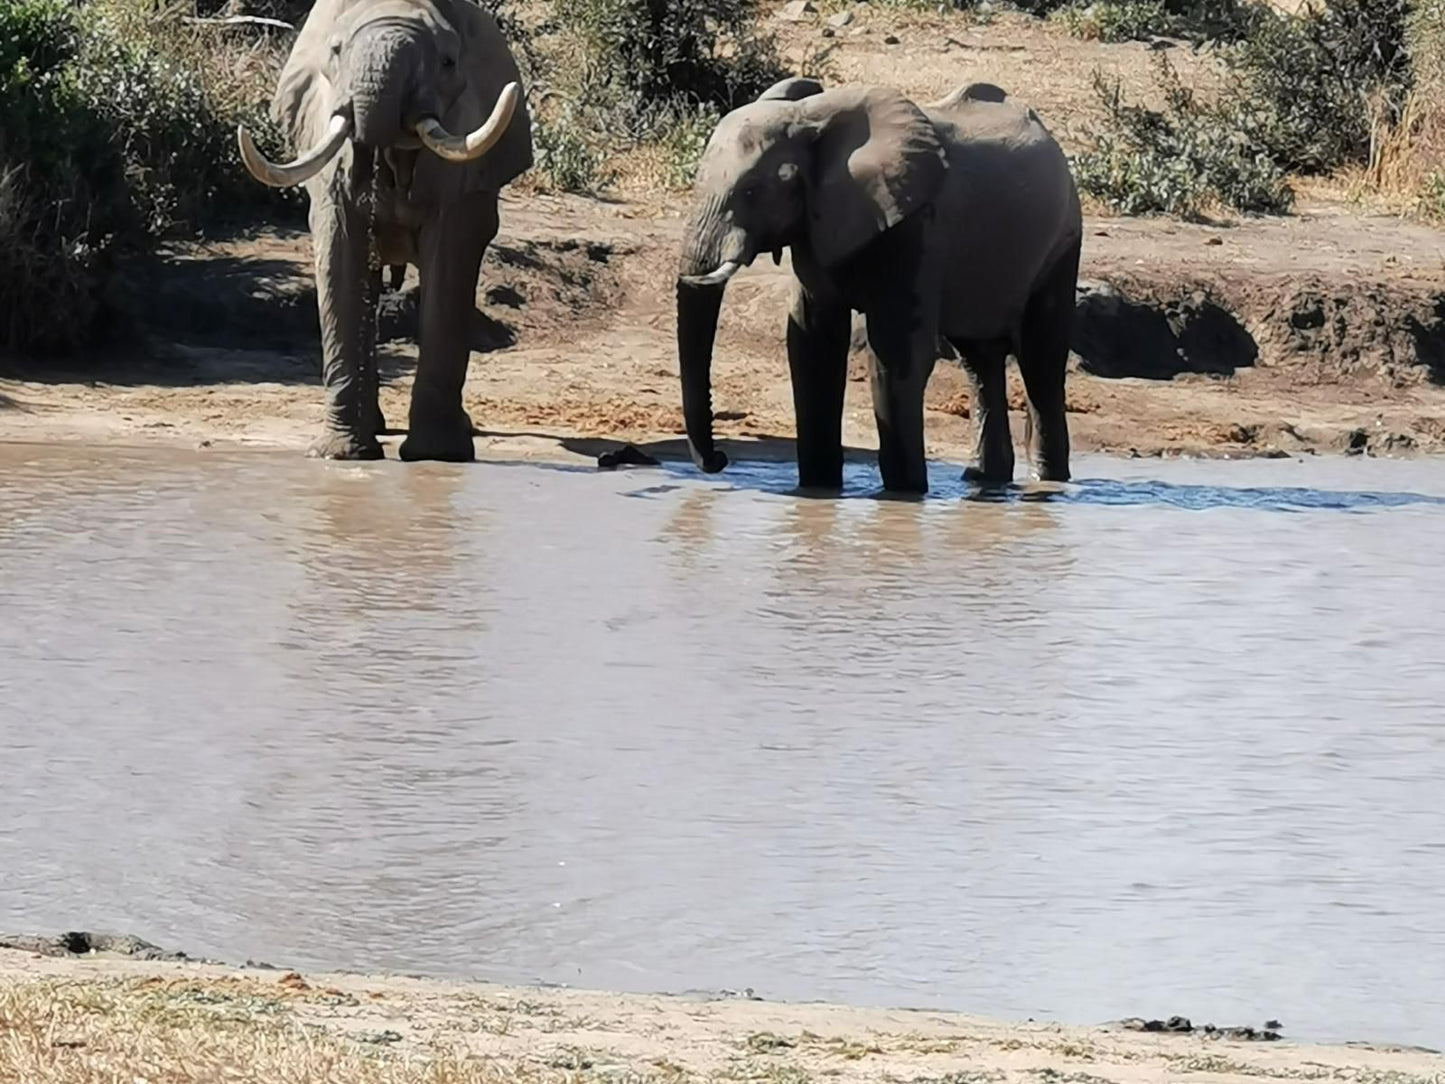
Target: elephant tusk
713	278
457	149
304	167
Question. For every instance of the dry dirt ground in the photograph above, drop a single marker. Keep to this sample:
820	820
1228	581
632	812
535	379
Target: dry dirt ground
1324	331
91	1018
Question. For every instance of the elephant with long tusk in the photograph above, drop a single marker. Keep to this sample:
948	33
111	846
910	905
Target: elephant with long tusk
409	117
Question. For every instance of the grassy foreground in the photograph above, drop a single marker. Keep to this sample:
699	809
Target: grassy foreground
67	1021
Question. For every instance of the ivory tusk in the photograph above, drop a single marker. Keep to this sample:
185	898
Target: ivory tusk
724	272
304	167
457	149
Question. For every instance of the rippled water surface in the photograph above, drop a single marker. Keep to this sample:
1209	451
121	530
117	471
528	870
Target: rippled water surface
1172	740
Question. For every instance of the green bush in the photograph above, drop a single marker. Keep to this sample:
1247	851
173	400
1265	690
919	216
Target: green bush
1302	94
109	141
705	52
1115	20
1142	20
565	159
1178	160
1319	82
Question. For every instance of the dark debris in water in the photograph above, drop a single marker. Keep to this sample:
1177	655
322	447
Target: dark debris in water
81	943
629	455
1182	1025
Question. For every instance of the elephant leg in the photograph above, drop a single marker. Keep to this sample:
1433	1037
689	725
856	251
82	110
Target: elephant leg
452	246
1043	360
903	338
397	276
818	334
344	288
986	364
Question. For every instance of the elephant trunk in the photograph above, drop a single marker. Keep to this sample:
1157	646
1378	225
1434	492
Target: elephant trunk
697	313
380	85
712	253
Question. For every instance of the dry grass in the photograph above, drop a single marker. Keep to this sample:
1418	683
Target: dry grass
153	1032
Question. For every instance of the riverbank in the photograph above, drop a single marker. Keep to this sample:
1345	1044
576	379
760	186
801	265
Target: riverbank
101	1017
1319	333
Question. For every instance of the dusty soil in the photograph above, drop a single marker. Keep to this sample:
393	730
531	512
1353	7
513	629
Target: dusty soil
1324	331
115	1018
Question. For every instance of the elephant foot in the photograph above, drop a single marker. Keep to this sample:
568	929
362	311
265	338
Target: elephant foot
340	445
450	445
1052	472
378	423
989	475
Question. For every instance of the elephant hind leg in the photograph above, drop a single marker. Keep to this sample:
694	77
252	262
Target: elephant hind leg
1043	360
985	362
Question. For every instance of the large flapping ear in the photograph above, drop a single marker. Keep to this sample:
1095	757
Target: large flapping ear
488	64
877	159
791	90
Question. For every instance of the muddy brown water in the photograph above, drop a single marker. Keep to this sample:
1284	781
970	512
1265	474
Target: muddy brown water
1171	740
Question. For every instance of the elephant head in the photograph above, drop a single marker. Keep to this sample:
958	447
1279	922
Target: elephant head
801	168
384	74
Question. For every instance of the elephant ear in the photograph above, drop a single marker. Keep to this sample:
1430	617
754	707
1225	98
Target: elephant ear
791	90
878	159
489	65
302	103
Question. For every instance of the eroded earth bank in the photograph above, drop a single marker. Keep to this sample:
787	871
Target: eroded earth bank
1320	332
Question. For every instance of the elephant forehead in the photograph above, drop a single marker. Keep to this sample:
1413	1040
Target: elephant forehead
403	14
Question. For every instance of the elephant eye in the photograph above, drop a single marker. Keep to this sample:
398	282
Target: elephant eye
449	62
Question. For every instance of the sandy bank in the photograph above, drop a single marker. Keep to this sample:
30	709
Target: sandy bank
97	1018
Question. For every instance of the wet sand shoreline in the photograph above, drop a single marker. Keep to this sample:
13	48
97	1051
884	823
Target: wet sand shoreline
163	1019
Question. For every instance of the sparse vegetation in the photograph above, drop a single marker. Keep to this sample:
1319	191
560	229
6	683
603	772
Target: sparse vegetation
118	119
116	133
1179	160
1308	94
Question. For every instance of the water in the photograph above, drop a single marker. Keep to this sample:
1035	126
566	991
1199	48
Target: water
1167	741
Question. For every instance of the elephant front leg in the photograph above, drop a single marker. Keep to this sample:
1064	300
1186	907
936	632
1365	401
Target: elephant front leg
345	287
452	246
903	338
818	334
986	364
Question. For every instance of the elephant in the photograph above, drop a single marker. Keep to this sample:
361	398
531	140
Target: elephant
956	221
371	94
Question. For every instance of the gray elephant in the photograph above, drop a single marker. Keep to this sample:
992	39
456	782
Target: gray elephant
956	221
372	93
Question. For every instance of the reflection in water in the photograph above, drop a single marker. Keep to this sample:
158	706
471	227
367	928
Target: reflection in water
1138	747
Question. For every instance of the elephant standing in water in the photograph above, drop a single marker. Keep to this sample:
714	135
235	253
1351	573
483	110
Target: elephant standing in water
957	220
372	94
